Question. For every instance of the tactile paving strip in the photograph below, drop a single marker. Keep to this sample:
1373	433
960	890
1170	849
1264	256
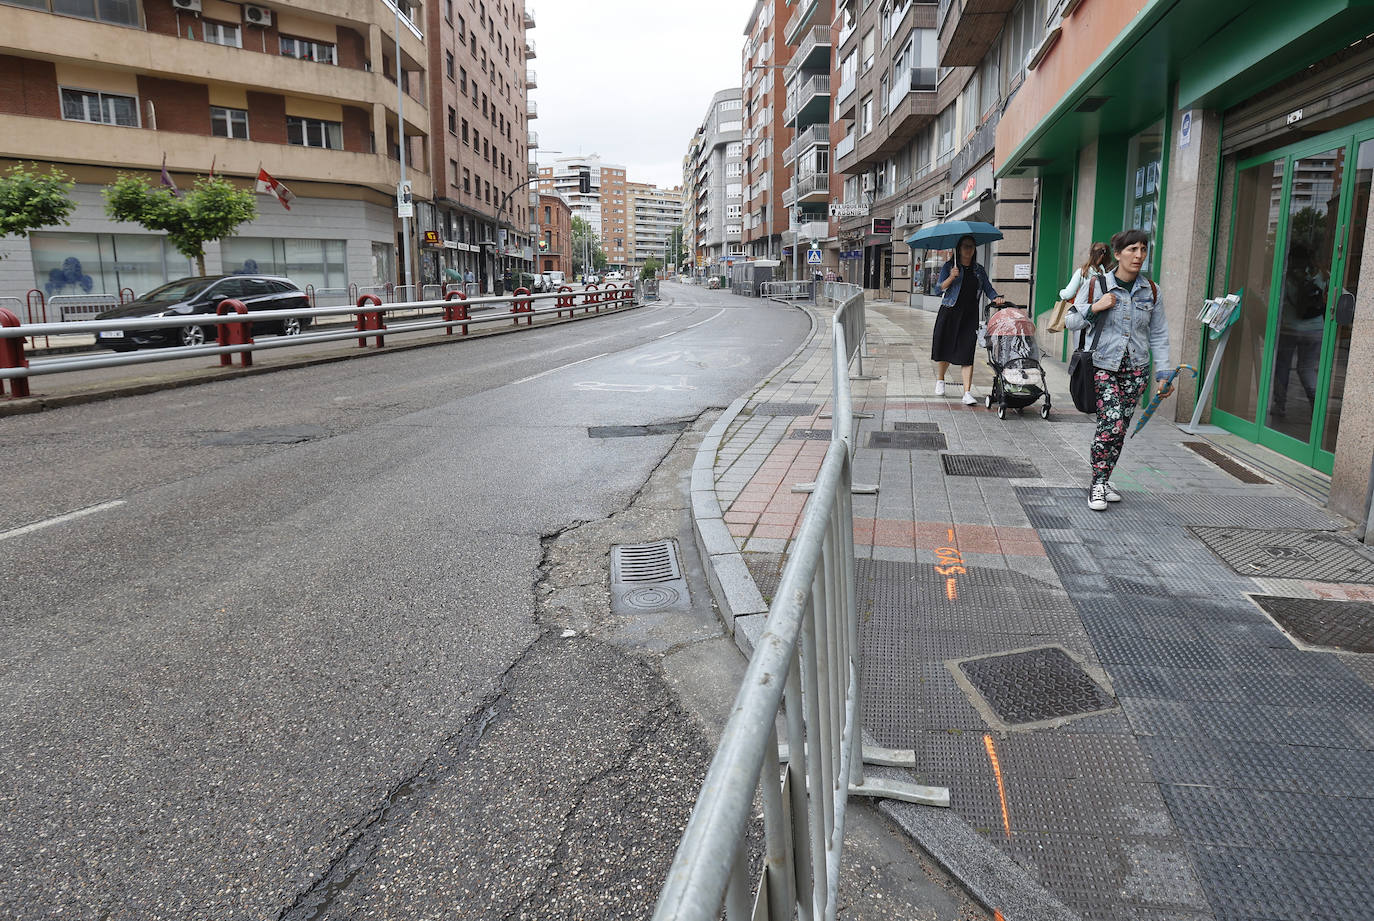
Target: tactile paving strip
981	465
908	441
786	409
1249	511
811	434
916	426
1319	556
1035	685
1345	625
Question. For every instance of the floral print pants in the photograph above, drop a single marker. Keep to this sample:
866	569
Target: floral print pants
1118	392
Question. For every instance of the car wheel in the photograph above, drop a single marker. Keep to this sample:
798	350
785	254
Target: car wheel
292	326
192	335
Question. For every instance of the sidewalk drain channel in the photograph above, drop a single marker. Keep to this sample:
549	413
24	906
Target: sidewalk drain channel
916	426
1320	556
636	431
1347	626
908	441
647	578
1231	466
1031	686
811	434
981	466
786	409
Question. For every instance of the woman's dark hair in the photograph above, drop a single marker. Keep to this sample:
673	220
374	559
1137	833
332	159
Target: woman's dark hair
1097	257
1129	238
960	245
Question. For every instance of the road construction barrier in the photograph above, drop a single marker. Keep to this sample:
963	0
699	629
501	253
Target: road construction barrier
69	307
789	290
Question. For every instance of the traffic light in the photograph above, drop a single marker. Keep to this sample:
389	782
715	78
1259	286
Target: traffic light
584	181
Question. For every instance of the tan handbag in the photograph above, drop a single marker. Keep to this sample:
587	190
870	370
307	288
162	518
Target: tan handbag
1057	315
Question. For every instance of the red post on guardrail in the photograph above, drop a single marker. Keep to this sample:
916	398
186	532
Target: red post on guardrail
369	320
592	297
523	304
234	333
310	295
12	356
35	297
565	301
124	291
456	312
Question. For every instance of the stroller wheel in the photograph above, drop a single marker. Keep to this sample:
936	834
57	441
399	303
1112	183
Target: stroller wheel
1001	410
1045	411
987	401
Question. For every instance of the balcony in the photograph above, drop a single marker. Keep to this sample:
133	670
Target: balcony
789	198
813	53
534	170
968	28
815	136
533	141
844	98
805	10
844	148
531	108
530	81
813	187
809	102
529	48
529	16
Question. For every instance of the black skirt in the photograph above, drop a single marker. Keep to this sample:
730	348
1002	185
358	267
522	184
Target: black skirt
956	326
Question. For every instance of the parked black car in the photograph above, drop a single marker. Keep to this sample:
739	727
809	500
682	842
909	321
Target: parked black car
191	296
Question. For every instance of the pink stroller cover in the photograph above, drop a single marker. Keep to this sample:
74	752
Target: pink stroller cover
1011	321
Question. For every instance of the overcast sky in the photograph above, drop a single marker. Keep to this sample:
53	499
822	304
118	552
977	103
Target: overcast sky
630	80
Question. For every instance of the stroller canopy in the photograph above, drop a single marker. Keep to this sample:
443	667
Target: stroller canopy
1011	321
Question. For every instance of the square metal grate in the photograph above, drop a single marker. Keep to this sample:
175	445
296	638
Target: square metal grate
1321	556
1344	625
811	434
908	441
984	466
1225	462
786	409
916	426
647	578
1035	685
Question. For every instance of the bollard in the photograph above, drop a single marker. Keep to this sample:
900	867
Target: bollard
565	301
456	312
12	356
369	320
523	303
234	333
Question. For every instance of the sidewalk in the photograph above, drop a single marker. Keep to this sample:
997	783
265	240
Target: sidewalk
1119	717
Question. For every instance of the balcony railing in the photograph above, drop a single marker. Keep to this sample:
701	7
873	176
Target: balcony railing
922	80
530	81
842	149
531	108
816	37
818	85
534	139
529	48
846	90
529	16
804	10
789	198
812	183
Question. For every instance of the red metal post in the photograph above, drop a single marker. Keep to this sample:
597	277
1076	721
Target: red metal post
234	333
35	296
370	319
12	356
565	301
122	298
593	296
458	311
522	303
310	294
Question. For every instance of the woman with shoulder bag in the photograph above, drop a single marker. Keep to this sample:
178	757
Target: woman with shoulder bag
1127	317
1096	266
956	325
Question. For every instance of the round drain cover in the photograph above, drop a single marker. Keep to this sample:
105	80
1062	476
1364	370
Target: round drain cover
651	597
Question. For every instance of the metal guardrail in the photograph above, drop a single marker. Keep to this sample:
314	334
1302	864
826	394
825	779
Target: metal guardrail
789	290
806	668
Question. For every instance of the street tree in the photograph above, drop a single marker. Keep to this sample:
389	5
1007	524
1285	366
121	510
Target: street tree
585	241
30	200
211	210
650	268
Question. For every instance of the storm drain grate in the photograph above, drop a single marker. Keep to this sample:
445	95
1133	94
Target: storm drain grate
647	578
985	466
916	426
811	434
1345	625
636	431
1320	556
1034	686
786	409
908	441
1225	462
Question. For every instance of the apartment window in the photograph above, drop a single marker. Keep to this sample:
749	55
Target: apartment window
465	131
102	108
222	33
307	50
463	80
548	212
989	79
448	10
866	115
734	149
866	52
120	12
486	151
314	132
944	132
452	120
467	181
229	123
462	29
970	114
453	171
449	64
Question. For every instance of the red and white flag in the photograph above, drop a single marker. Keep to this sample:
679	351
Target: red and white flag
269	186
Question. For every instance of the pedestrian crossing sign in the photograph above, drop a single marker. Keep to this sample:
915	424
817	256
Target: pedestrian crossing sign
813	257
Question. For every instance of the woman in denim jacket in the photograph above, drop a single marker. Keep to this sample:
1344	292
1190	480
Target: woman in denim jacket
956	325
1130	318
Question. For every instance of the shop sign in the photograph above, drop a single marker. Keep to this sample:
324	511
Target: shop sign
1185	129
852	254
431	238
969	188
882	225
450	244
848	209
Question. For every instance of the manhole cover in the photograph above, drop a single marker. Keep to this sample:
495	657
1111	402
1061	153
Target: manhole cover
916	426
1275	553
786	409
647	578
908	441
636	431
812	434
983	466
274	435
1345	625
1225	462
1034	685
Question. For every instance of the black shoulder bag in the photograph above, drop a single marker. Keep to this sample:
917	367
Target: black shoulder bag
1081	368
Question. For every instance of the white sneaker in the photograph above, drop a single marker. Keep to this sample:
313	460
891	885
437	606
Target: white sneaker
1111	494
939	388
970	399
1097	498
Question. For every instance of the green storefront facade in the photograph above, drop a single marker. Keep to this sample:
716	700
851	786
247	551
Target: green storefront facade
1241	138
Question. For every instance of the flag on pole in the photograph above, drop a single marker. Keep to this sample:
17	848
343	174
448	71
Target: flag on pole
212	165
167	177
269	186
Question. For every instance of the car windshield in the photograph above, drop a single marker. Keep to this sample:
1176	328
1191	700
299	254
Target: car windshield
177	291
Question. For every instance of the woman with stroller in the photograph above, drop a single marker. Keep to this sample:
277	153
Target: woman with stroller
956	325
1123	315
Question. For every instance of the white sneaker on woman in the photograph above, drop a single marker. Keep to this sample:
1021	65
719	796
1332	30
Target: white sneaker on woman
970	399
939	388
1097	498
1111	494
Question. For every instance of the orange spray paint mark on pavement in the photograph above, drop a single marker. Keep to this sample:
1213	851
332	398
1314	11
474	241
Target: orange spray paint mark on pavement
1001	788
951	589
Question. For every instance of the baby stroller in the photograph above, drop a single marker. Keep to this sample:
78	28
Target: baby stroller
1014	356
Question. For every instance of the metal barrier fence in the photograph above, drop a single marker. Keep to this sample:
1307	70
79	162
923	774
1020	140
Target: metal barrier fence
69	307
790	290
234	327
806	668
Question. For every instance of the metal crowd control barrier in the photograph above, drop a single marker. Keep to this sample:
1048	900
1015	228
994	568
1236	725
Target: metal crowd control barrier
806	669
789	290
71	307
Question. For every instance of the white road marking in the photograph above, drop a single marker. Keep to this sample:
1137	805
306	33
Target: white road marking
70	516
559	368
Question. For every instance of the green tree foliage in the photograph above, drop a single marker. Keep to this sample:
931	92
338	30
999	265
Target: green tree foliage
650	268
30	200
211	210
585	240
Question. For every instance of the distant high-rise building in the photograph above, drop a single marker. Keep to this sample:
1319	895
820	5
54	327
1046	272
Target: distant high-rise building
603	207
713	178
655	219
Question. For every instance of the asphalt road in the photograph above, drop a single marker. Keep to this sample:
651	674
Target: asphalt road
289	661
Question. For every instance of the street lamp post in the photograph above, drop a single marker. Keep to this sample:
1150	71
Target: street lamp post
401	138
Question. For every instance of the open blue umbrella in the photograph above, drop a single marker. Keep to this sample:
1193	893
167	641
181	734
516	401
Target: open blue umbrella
948	234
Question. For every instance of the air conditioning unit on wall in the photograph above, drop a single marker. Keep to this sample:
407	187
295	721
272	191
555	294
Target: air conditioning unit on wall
187	6
945	205
257	15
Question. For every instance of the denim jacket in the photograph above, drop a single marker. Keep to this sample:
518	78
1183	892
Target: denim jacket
951	296
1135	327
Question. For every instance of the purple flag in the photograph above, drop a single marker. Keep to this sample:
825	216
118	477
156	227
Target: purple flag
167	178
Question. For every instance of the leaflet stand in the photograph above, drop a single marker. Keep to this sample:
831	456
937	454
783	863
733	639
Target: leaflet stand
1221	335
